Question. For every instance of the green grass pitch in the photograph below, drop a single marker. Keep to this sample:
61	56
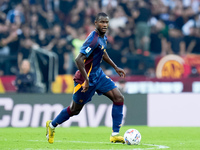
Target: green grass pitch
169	138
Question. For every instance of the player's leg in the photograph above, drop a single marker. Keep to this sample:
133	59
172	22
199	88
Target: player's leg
117	113
79	99
64	115
117	110
107	87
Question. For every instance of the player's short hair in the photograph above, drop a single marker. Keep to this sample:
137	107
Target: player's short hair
101	14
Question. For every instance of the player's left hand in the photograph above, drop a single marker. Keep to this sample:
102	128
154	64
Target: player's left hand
120	72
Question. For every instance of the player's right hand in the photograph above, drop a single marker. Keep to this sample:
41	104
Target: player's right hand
85	86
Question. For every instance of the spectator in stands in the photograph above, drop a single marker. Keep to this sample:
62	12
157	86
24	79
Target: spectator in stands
56	34
16	15
176	41
9	44
180	16
65	57
26	9
93	8
158	44
34	25
78	14
78	42
75	19
142	29
26	43
43	38
76	22
67	5
4	49
5	39
14	46
192	41
119	19
5	7
25	80
49	19
108	5
191	23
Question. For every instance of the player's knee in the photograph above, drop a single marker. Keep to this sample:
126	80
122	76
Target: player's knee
119	99
75	112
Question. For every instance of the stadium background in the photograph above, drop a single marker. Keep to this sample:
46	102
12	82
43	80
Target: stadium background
49	33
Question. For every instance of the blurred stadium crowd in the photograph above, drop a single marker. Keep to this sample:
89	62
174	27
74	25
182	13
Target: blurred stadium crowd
139	31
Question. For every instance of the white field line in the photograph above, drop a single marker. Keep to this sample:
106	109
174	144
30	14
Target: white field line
151	146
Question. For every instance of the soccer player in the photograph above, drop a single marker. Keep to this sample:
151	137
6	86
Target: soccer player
90	79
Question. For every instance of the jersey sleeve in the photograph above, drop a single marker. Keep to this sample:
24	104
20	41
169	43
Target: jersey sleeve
90	44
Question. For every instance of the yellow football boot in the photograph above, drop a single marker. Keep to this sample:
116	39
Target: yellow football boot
117	139
50	132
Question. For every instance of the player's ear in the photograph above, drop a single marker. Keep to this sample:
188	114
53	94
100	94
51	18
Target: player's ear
95	22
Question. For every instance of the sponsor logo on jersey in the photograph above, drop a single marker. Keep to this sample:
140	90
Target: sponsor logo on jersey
80	101
88	49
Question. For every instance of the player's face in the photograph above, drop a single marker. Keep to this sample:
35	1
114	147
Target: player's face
102	24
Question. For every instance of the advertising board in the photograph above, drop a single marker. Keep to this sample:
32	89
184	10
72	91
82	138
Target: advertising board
33	110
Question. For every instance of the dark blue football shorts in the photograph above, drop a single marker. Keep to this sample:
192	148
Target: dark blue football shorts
104	85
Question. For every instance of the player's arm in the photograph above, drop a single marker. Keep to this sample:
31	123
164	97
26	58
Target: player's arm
107	59
81	66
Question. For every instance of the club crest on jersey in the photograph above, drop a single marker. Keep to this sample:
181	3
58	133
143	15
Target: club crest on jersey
88	49
80	101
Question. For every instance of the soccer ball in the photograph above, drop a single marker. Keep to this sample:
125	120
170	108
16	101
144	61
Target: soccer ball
132	137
